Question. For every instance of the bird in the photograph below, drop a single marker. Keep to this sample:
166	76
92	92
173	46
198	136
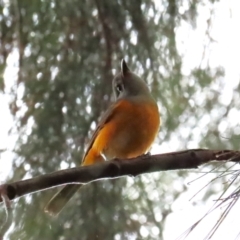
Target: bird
126	130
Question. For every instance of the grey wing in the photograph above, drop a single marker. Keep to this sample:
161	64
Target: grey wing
104	119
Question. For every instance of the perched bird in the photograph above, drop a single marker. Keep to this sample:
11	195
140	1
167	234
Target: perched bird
126	130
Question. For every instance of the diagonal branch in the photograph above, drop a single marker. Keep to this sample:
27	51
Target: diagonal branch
117	168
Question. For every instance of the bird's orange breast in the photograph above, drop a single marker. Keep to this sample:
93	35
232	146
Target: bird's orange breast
130	132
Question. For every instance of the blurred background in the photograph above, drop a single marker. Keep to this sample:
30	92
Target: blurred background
57	61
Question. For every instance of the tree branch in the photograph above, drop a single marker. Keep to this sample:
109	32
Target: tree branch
117	168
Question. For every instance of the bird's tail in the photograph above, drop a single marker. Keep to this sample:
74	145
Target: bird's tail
60	199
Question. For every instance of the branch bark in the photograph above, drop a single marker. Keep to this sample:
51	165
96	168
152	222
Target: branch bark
117	168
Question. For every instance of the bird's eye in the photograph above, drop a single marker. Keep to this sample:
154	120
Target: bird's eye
119	87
